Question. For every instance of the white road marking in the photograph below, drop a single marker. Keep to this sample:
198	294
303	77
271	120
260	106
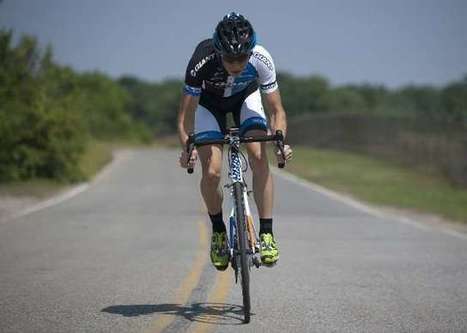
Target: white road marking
364	207
53	201
118	157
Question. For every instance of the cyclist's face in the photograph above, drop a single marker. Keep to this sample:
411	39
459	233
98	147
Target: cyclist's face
235	65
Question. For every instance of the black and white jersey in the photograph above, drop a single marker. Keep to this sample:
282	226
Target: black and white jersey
205	73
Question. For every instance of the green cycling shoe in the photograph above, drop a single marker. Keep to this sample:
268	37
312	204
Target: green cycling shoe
219	251
269	251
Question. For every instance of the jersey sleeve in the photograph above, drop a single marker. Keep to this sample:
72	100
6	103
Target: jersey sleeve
193	74
193	82
266	70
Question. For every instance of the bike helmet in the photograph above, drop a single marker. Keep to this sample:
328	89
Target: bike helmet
234	36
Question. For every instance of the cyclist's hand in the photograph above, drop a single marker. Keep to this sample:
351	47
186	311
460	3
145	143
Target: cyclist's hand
184	163
288	152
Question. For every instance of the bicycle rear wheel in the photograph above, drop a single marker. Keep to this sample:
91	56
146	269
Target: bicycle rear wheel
242	247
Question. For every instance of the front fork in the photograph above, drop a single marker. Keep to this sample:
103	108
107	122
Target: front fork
253	241
250	225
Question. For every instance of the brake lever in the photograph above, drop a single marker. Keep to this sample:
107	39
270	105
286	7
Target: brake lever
190	145
280	145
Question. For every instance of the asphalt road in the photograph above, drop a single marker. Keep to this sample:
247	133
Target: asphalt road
129	254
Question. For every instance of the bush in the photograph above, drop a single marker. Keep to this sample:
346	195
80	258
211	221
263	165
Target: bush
45	140
48	112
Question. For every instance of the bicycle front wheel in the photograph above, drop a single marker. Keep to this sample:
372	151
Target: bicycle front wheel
242	247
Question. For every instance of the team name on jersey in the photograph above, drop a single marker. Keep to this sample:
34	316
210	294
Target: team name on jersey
263	59
200	64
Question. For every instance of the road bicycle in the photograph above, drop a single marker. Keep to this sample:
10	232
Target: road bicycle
243	242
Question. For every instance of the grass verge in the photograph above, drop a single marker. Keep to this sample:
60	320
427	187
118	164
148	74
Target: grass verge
96	156
37	188
379	182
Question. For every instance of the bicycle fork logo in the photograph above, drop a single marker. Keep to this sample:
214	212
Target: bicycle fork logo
236	174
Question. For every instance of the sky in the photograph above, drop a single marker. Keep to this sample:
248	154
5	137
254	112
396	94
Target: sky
390	42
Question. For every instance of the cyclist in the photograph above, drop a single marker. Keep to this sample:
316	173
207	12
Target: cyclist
225	75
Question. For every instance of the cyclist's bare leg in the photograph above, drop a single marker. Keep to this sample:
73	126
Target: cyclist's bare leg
263	186
263	189
211	164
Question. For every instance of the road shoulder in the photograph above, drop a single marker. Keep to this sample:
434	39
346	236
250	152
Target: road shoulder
14	205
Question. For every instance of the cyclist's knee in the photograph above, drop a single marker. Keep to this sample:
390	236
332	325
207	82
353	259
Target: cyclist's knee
212	176
258	159
211	162
256	150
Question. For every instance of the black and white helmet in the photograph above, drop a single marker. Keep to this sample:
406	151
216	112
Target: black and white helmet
234	35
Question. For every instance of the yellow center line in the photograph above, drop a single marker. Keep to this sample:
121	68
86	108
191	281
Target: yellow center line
217	296
189	283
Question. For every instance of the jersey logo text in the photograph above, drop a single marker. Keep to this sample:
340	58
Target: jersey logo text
200	64
263	59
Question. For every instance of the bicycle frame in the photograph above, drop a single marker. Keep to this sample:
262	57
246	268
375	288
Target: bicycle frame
236	176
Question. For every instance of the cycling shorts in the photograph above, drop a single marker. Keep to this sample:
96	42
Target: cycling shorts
211	114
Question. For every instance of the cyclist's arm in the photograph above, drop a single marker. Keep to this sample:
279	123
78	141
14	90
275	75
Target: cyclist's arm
191	92
276	110
186	116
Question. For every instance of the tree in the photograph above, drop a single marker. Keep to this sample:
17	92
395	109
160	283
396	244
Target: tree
454	101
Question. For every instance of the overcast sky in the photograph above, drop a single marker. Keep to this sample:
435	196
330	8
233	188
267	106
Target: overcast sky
393	42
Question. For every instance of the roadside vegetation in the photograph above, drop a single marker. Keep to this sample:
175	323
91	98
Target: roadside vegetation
51	116
381	182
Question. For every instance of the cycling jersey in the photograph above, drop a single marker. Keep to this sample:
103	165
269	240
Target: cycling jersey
205	73
221	93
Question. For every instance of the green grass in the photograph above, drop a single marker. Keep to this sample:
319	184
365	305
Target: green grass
380	182
38	188
99	153
96	156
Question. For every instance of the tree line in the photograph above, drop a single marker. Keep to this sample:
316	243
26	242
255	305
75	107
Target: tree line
49	112
314	94
156	103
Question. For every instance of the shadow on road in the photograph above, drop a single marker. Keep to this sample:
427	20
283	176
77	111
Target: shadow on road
209	313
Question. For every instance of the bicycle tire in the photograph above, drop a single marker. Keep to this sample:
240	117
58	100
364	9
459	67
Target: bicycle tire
242	247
